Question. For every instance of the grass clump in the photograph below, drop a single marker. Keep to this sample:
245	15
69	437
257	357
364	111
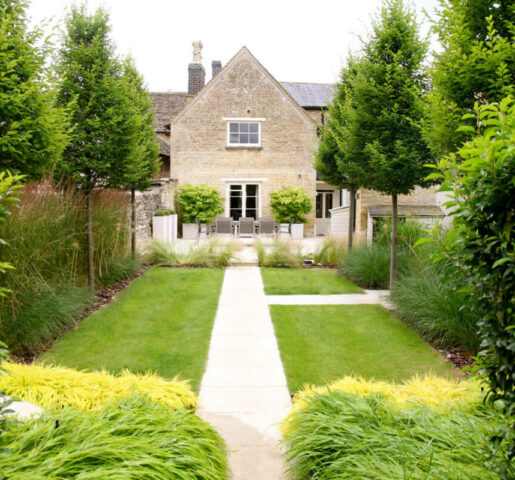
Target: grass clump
339	435
211	253
280	253
46	243
330	252
59	387
369	265
432	303
133	439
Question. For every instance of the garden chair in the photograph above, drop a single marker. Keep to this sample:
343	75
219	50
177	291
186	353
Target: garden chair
200	230
246	227
223	226
266	226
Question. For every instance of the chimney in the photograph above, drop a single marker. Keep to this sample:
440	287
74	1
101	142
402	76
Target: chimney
216	66
196	72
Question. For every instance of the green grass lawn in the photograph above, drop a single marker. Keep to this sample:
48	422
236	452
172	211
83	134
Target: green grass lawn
161	322
320	344
305	281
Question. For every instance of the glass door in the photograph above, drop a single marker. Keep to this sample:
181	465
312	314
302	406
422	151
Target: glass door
243	200
323	206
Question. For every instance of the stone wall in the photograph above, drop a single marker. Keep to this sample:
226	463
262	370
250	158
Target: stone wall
160	196
198	137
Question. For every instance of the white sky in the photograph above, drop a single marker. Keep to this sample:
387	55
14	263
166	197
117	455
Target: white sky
296	40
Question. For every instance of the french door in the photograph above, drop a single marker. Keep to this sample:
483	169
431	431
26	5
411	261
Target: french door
323	205
243	200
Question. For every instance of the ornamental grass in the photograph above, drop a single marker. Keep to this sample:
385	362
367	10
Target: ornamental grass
59	387
132	439
341	435
438	393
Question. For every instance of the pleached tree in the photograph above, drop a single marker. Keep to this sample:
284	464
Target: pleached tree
387	109
93	89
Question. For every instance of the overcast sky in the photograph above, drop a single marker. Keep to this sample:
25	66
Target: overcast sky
296	40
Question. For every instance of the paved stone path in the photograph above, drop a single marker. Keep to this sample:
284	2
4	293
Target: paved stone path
243	392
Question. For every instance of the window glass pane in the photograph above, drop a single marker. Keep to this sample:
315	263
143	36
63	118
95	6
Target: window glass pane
251	203
233	138
235	213
318	206
233	127
328	204
254	138
235	187
251	212
235	202
244	127
251	190
253	128
244	138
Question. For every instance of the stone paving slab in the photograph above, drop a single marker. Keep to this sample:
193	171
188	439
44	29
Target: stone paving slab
243	392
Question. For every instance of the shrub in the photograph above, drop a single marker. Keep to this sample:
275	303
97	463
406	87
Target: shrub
199	201
164	213
211	253
280	253
60	387
434	305
134	438
290	204
369	265
330	252
47	244
342	435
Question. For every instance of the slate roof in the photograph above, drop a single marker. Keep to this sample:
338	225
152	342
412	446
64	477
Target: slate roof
167	106
164	147
406	210
310	94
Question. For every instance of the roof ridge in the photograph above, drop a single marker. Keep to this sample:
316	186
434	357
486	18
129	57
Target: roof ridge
311	83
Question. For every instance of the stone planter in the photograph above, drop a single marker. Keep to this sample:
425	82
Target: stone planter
297	231
189	231
164	228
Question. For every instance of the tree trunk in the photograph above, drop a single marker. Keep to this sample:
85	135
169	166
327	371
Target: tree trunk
91	266
393	262
352	214
133	223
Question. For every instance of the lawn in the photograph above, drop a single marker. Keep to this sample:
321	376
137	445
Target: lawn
306	281
320	344
161	322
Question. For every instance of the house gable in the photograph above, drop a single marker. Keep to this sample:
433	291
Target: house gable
243	57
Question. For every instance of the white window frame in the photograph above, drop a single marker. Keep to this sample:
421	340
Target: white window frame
243	184
243	120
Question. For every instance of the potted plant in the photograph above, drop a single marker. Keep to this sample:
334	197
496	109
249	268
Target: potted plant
291	204
164	225
198	201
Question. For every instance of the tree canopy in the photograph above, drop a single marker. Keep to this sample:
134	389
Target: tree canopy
476	64
32	129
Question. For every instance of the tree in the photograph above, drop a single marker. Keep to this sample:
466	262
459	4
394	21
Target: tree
480	180
101	146
336	160
32	130
476	64
143	162
388	100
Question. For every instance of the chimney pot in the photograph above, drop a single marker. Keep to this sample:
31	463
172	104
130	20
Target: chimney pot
216	66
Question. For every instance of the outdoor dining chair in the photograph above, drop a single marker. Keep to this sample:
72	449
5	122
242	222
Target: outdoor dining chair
223	226
246	227
266	226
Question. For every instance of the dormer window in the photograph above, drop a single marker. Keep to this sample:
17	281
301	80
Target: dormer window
244	133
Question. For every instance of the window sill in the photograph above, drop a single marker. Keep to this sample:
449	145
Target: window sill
243	147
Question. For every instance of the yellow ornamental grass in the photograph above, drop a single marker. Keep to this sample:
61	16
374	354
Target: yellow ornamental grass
440	394
59	387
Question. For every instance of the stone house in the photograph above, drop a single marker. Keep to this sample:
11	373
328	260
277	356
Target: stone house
247	134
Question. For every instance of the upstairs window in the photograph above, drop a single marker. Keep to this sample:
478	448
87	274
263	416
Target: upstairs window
243	134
